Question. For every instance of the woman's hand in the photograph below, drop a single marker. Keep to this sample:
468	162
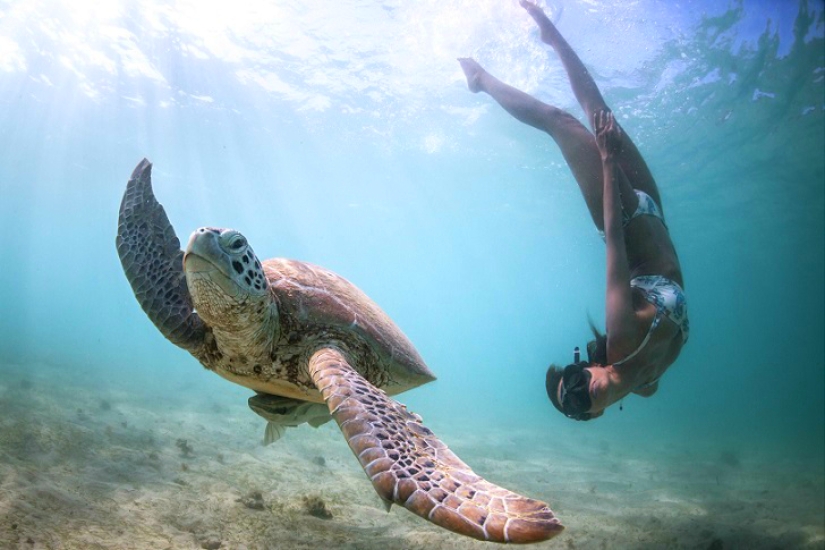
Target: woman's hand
608	134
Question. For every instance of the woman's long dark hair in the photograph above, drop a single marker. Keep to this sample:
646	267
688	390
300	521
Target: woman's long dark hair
597	348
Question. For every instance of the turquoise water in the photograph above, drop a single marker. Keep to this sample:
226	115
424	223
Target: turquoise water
348	139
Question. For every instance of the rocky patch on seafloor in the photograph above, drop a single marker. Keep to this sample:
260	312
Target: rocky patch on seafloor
315	506
186	450
253	500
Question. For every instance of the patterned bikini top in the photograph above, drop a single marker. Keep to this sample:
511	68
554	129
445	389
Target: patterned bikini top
670	302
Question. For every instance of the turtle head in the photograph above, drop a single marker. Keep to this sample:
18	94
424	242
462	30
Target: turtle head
225	278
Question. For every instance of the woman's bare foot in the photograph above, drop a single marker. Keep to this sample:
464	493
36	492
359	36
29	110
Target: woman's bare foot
473	71
548	30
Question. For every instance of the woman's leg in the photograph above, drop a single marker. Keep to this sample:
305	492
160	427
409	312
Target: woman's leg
591	100
577	144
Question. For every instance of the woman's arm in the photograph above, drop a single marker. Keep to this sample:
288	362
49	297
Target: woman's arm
620	317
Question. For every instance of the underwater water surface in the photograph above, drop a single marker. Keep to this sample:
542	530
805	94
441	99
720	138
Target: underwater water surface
346	137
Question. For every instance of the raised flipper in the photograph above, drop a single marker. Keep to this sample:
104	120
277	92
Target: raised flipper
410	466
283	412
153	262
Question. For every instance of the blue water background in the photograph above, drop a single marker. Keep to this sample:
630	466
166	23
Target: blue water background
347	138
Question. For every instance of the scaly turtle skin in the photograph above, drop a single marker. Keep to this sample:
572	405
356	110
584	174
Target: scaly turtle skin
298	334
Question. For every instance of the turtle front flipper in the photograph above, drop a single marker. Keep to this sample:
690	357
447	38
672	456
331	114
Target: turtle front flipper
153	262
410	466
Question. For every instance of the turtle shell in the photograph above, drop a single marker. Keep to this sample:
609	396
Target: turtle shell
317	309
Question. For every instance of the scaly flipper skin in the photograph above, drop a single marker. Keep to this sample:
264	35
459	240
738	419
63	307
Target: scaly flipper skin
410	466
153	262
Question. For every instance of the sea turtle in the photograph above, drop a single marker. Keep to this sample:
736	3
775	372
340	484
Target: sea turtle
297	333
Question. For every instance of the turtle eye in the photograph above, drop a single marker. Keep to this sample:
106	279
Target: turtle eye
237	243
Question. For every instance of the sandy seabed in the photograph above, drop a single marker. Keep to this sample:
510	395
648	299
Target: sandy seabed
86	468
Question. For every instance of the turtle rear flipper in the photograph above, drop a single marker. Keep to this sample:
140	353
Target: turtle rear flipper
408	464
284	412
152	259
273	432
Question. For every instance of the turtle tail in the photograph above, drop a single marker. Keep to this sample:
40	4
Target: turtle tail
152	259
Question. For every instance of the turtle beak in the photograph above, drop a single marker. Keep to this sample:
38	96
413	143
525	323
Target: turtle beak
203	253
195	264
204	260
